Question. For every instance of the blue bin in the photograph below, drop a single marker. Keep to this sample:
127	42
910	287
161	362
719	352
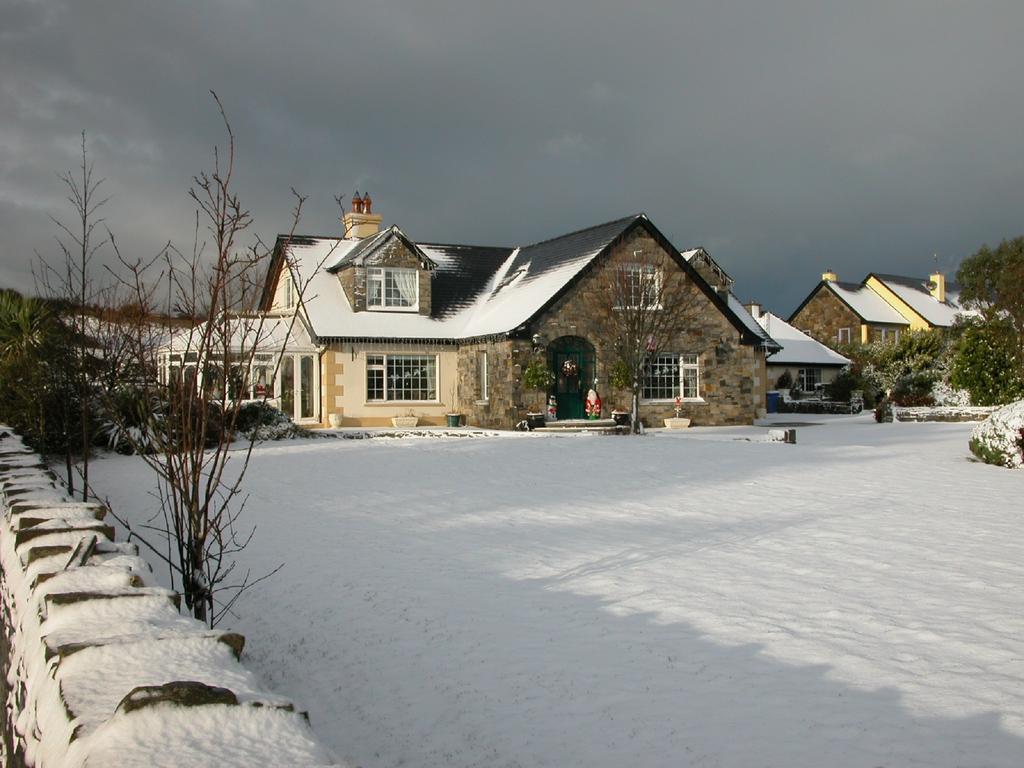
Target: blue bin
772	405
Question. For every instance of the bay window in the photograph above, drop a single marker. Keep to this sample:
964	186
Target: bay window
670	375
401	378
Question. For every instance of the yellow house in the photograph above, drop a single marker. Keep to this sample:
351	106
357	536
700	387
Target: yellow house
879	308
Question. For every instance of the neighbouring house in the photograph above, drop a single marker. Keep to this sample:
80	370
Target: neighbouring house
879	308
810	363
389	327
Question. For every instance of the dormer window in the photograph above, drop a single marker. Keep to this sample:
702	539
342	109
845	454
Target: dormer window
393	289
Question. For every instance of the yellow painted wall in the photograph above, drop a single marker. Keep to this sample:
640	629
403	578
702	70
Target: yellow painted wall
343	381
917	323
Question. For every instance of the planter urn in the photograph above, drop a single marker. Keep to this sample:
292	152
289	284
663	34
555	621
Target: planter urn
677	422
404	422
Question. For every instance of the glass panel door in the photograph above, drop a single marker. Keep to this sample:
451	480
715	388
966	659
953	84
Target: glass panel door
306	387
288	386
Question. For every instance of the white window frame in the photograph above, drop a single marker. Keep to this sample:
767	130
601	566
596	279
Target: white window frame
372	364
388	301
639	278
689	366
483	376
802	379
844	332
294	360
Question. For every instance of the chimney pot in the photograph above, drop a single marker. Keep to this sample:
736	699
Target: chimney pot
367	203
357	203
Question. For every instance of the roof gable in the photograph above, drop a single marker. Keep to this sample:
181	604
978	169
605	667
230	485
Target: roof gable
916	294
859	299
365	250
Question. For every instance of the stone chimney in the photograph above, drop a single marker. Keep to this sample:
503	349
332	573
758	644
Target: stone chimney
754	308
937	286
361	221
828	276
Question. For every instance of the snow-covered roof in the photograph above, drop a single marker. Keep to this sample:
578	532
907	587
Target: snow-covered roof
269	333
752	323
871	307
797	347
478	291
917	294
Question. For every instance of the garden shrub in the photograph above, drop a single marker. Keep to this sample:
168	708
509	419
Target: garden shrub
987	364
128	423
261	421
785	381
914	389
999	439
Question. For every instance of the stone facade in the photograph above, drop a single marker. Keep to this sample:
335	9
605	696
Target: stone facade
823	316
504	404
732	375
394	254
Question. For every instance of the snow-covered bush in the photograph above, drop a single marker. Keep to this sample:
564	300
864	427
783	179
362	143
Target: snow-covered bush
260	421
947	395
1000	438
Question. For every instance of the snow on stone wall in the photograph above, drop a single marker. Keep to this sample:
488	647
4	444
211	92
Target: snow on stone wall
943	413
99	665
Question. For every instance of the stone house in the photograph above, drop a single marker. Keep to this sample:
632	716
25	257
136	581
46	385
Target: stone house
388	327
879	308
810	363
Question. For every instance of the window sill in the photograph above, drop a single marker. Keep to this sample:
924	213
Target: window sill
393	309
682	401
395	403
482	402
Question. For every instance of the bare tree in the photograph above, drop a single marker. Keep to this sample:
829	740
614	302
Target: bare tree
195	382
645	305
70	284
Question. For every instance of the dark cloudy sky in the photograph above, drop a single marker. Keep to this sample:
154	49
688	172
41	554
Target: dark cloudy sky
785	137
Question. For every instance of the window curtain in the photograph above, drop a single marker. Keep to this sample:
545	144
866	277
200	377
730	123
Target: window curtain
408	286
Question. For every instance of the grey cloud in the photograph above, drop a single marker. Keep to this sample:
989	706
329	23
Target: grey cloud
784	136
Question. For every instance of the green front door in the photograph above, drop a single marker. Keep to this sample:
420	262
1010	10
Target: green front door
572	360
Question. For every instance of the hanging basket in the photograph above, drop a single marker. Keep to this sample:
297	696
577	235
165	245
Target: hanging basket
570	368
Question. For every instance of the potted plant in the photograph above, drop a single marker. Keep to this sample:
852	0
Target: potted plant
537	377
407	421
453	417
335	419
678	422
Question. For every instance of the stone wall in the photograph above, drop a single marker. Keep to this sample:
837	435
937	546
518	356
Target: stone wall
99	665
505	405
823	316
732	374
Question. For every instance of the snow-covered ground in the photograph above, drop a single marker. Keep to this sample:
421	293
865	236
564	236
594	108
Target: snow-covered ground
690	598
